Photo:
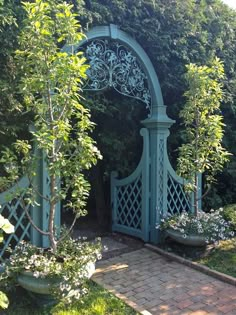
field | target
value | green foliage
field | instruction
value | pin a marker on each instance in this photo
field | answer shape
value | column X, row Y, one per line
column 68, row 268
column 117, row 131
column 51, row 86
column 3, row 301
column 98, row 301
column 203, row 152
column 12, row 120
column 223, row 259
column 6, row 227
column 229, row 213
column 211, row 226
column 173, row 34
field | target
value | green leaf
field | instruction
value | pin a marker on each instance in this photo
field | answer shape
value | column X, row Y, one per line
column 3, row 300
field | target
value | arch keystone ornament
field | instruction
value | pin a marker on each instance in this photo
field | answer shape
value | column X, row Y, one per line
column 140, row 200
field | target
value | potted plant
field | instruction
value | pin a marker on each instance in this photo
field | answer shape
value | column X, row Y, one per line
column 201, row 154
column 205, row 228
column 51, row 86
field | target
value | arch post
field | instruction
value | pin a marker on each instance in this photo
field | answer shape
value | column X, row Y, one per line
column 158, row 125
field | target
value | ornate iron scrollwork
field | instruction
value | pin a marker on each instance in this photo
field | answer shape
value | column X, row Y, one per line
column 113, row 65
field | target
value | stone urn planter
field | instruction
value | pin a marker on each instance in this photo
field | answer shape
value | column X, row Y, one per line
column 190, row 240
column 40, row 288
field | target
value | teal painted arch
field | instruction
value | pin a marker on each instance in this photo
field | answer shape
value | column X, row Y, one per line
column 114, row 33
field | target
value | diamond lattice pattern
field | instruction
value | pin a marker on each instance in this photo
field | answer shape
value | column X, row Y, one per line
column 129, row 205
column 15, row 213
column 177, row 199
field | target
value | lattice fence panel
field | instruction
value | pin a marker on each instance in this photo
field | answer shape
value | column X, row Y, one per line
column 15, row 213
column 129, row 204
column 177, row 199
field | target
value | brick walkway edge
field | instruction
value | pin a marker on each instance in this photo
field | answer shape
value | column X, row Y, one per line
column 154, row 285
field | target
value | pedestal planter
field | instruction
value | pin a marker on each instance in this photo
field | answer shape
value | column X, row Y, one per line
column 40, row 288
column 190, row 240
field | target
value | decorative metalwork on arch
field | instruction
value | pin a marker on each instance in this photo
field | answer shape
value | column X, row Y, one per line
column 129, row 69
column 113, row 65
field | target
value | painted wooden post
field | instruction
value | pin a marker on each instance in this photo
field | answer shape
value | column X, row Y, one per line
column 45, row 204
column 40, row 212
column 145, row 185
column 36, row 210
column 158, row 125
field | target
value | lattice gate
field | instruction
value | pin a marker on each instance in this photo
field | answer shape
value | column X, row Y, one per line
column 130, row 198
column 136, row 210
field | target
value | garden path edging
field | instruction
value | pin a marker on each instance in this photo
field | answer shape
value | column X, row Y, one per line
column 216, row 274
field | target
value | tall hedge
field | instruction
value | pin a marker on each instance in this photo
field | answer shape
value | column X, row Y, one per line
column 173, row 33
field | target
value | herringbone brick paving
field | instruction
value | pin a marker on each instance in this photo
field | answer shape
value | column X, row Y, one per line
column 153, row 284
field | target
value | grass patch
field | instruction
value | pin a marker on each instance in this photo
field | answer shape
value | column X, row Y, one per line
column 223, row 258
column 97, row 302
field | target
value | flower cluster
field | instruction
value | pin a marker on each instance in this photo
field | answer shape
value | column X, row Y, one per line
column 69, row 267
column 210, row 225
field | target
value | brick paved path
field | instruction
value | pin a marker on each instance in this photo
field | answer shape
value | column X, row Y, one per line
column 152, row 284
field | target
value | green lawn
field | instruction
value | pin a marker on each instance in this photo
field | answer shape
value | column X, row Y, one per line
column 223, row 258
column 97, row 302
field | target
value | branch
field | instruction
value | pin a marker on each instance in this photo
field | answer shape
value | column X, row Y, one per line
column 206, row 193
column 38, row 192
column 70, row 229
column 31, row 220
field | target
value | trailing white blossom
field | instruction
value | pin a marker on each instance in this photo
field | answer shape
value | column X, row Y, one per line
column 70, row 265
column 211, row 225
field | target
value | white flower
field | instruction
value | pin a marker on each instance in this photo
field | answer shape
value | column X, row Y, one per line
column 36, row 274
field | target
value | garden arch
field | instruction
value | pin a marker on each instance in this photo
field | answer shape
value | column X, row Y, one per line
column 153, row 189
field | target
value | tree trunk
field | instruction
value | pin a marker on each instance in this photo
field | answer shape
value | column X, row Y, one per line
column 52, row 210
column 196, row 194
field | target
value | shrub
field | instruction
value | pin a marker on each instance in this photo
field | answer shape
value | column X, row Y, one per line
column 229, row 214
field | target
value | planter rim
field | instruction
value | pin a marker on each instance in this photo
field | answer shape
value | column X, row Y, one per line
column 192, row 240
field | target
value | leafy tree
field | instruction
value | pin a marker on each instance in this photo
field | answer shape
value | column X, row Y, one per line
column 51, row 87
column 203, row 151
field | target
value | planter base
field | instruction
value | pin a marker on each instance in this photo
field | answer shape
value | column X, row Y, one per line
column 43, row 300
column 40, row 288
column 190, row 240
